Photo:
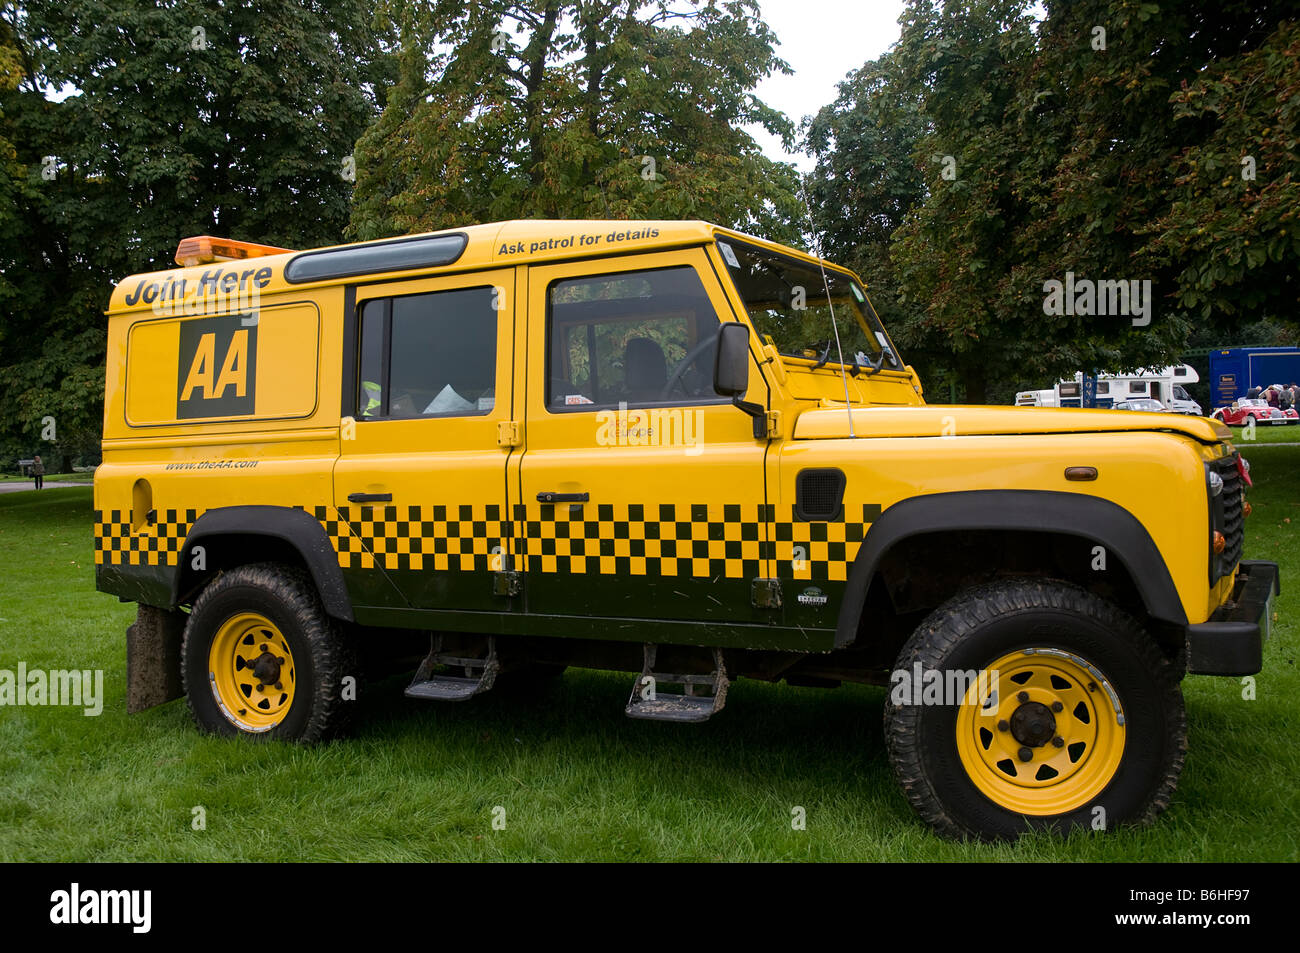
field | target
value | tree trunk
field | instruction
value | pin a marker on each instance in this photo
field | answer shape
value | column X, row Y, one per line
column 541, row 46
column 975, row 383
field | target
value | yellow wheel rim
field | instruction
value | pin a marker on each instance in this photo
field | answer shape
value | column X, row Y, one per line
column 1042, row 733
column 251, row 672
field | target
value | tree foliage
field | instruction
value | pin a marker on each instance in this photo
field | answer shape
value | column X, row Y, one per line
column 1104, row 139
column 576, row 109
column 1230, row 233
column 126, row 125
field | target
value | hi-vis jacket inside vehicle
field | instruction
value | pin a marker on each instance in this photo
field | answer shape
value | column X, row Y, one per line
column 664, row 448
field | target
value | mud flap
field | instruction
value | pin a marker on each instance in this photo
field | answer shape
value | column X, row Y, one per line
column 153, row 658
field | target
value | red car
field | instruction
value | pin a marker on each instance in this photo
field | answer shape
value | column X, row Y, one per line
column 1235, row 416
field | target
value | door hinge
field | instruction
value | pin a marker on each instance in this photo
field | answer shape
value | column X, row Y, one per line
column 507, row 582
column 765, row 593
column 510, row 433
column 774, row 423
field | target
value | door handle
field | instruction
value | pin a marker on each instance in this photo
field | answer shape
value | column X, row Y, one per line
column 547, row 496
column 370, row 497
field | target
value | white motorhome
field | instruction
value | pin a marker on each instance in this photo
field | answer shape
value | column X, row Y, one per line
column 1164, row 384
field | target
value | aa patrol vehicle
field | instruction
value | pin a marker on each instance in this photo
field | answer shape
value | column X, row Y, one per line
column 666, row 448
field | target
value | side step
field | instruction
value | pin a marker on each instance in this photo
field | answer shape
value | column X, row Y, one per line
column 466, row 677
column 702, row 696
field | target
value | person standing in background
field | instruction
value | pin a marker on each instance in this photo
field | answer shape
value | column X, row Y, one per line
column 38, row 472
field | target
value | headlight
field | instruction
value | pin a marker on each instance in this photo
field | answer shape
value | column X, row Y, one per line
column 1216, row 484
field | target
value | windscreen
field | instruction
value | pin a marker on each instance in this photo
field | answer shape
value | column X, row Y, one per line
column 786, row 300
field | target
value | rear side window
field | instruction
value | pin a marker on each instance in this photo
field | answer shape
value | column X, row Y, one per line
column 640, row 337
column 428, row 355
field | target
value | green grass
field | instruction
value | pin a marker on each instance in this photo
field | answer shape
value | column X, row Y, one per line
column 576, row 778
column 1268, row 433
column 53, row 478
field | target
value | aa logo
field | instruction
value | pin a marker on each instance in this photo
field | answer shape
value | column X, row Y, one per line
column 218, row 367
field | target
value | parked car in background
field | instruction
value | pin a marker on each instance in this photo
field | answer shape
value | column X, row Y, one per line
column 1164, row 384
column 1037, row 398
column 1181, row 402
column 1237, row 414
column 1144, row 404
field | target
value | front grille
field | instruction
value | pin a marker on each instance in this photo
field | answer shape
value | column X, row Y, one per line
column 1228, row 518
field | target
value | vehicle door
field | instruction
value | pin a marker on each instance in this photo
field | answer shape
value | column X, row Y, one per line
column 420, row 482
column 640, row 491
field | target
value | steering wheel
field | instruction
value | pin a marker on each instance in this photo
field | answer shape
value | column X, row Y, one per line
column 693, row 355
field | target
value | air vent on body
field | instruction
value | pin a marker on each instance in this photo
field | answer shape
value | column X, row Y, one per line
column 819, row 494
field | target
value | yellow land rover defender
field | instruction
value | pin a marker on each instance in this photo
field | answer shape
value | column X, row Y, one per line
column 666, row 448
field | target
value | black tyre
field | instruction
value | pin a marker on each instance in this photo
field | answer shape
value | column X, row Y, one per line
column 1054, row 710
column 261, row 658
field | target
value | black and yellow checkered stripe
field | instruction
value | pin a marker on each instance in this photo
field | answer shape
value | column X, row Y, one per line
column 118, row 543
column 820, row 551
column 699, row 540
column 441, row 538
column 724, row 540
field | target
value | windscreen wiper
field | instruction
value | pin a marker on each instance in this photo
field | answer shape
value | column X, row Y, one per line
column 825, row 354
column 873, row 367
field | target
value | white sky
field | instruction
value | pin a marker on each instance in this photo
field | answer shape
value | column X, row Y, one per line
column 822, row 40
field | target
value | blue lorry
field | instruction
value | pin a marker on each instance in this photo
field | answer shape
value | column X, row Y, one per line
column 1235, row 370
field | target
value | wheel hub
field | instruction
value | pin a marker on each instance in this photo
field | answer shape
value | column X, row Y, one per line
column 1042, row 739
column 251, row 672
column 267, row 668
column 1033, row 725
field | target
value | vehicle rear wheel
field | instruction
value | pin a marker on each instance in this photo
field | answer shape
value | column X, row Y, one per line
column 1049, row 708
column 261, row 657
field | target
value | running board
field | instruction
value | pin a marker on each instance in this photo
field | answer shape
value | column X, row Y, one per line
column 702, row 696
column 465, row 676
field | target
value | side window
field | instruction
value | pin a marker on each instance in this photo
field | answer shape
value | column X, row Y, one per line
column 639, row 337
column 428, row 355
column 1137, row 387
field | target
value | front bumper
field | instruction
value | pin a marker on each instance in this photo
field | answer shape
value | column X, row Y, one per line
column 1232, row 641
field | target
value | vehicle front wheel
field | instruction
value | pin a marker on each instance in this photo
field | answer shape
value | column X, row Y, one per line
column 262, row 658
column 1034, row 704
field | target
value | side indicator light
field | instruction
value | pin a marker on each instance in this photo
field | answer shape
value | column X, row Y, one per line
column 1081, row 473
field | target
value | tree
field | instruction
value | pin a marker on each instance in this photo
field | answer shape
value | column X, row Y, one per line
column 134, row 124
column 576, row 109
column 864, row 185
column 1229, row 234
column 1101, row 142
column 963, row 62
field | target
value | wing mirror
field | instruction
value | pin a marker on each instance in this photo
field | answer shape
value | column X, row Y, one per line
column 731, row 364
column 731, row 373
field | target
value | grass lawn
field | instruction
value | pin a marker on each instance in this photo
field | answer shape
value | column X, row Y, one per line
column 52, row 478
column 577, row 780
column 1269, row 433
